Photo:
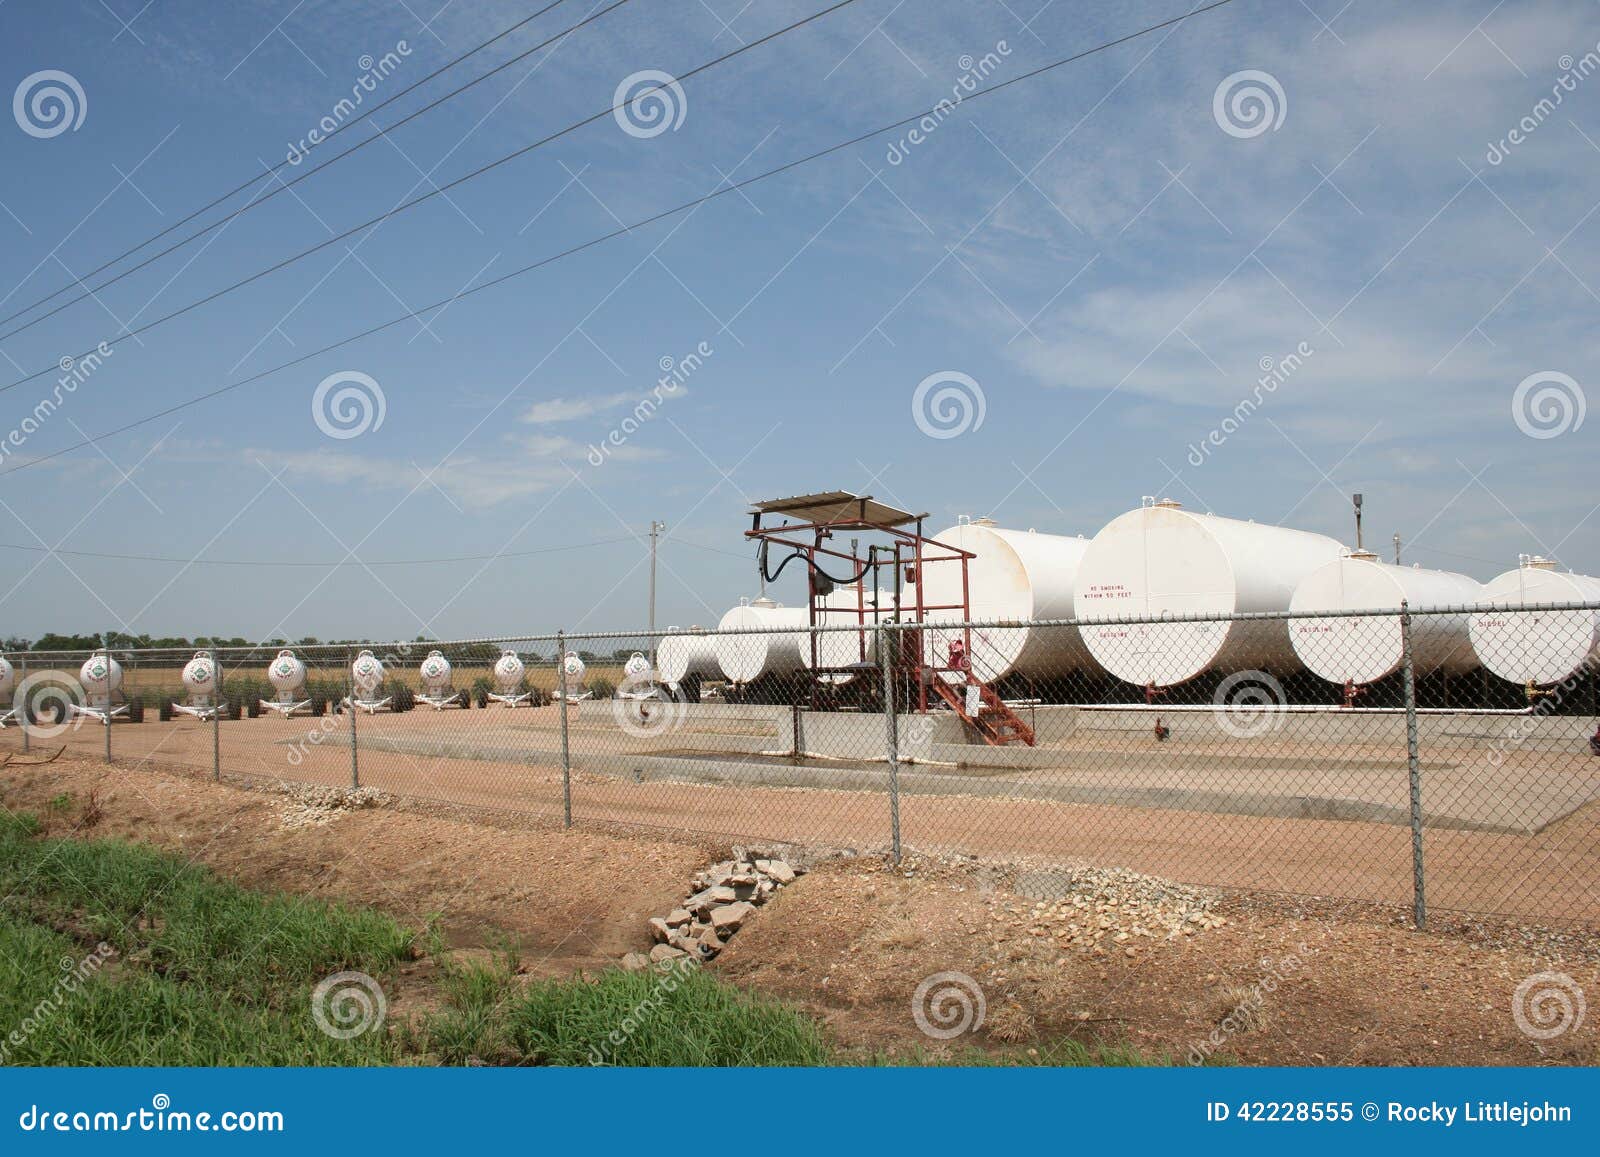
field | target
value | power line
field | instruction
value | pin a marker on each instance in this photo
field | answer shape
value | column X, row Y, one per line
column 331, row 564
column 687, row 205
column 285, row 186
column 272, row 171
column 438, row 190
column 328, row 565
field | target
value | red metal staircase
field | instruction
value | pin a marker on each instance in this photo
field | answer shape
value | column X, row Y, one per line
column 998, row 724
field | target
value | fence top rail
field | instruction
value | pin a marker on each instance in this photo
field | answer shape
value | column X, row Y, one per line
column 575, row 641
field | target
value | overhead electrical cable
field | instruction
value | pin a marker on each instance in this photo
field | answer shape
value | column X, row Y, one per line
column 687, row 205
column 327, row 565
column 436, row 191
column 269, row 173
column 34, row 548
column 285, row 186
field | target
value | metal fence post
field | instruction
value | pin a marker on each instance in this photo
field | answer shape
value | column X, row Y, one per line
column 1414, row 767
column 350, row 709
column 566, row 754
column 109, row 695
column 891, row 739
column 22, row 708
column 216, row 716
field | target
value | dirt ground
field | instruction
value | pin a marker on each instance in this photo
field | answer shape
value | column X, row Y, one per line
column 1258, row 981
column 1546, row 876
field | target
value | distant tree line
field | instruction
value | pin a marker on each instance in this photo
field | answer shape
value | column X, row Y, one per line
column 120, row 640
column 471, row 654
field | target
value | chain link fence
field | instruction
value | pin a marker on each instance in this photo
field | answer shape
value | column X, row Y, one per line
column 1441, row 758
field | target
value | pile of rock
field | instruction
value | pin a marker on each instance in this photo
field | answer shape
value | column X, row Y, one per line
column 722, row 899
column 1106, row 910
column 312, row 805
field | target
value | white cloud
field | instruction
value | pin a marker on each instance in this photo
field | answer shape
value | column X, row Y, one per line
column 571, row 409
column 470, row 479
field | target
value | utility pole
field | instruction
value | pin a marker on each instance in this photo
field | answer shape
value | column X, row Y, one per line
column 1397, row 550
column 1356, row 500
column 655, row 531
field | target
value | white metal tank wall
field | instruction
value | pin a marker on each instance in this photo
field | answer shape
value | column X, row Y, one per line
column 843, row 607
column 1017, row 575
column 1537, row 646
column 1164, row 560
column 745, row 658
column 1364, row 650
column 680, row 655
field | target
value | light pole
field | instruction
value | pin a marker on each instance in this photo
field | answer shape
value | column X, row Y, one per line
column 655, row 531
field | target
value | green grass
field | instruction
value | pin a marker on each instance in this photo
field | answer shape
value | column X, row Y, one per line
column 127, row 1016
column 680, row 1017
column 684, row 1017
column 184, row 922
column 204, row 972
column 200, row 971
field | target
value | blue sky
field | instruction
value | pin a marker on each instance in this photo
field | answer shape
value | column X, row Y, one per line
column 1092, row 249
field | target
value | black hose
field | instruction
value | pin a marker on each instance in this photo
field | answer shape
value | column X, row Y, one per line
column 761, row 566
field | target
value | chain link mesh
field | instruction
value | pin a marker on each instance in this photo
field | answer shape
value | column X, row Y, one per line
column 1262, row 752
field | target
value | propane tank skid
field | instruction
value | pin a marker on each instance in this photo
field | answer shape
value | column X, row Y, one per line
column 201, row 683
column 366, row 676
column 8, row 682
column 101, row 680
column 573, row 668
column 437, row 690
column 287, row 674
column 508, row 672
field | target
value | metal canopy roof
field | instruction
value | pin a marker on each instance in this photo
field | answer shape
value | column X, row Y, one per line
column 837, row 506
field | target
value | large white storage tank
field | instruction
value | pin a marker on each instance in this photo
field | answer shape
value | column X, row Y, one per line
column 744, row 658
column 684, row 654
column 1537, row 647
column 1162, row 560
column 848, row 606
column 1361, row 650
column 1018, row 575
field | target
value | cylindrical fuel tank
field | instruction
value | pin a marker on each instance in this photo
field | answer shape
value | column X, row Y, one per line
column 1539, row 647
column 1361, row 650
column 1162, row 560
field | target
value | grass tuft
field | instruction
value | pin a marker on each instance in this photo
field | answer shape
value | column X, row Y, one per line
column 678, row 1017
